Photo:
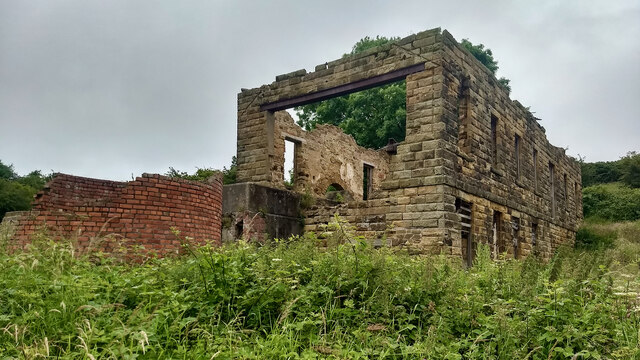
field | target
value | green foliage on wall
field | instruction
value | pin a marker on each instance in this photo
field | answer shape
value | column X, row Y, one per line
column 485, row 56
column 229, row 175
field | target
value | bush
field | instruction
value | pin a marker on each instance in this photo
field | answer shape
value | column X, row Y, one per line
column 589, row 238
column 15, row 196
column 293, row 300
column 626, row 170
column 16, row 192
column 602, row 172
column 612, row 202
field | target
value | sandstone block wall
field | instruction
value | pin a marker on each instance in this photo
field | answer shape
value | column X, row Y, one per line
column 466, row 143
column 101, row 214
column 256, row 152
column 505, row 169
column 325, row 156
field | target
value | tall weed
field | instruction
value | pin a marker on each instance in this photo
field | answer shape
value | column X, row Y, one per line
column 296, row 299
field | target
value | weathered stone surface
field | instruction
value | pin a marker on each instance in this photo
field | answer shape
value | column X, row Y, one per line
column 466, row 143
column 324, row 156
column 259, row 212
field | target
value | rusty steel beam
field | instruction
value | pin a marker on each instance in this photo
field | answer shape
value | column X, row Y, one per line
column 343, row 89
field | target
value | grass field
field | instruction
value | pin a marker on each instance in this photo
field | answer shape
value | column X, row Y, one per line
column 292, row 300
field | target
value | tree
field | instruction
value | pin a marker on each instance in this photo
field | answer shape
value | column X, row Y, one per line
column 601, row 172
column 371, row 116
column 230, row 175
column 16, row 192
column 6, row 172
column 625, row 170
column 630, row 169
column 375, row 115
column 15, row 196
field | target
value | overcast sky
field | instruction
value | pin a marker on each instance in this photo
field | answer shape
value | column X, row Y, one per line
column 112, row 88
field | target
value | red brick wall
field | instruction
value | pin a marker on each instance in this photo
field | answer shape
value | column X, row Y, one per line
column 101, row 214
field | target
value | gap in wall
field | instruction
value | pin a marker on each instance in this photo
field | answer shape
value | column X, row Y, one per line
column 289, row 162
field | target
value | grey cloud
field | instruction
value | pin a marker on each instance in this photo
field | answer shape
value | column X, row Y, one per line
column 106, row 89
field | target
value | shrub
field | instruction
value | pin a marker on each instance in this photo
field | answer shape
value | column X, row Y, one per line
column 589, row 238
column 291, row 299
column 612, row 202
column 15, row 196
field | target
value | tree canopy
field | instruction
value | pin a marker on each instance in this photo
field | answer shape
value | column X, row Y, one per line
column 626, row 170
column 16, row 192
column 375, row 115
column 371, row 116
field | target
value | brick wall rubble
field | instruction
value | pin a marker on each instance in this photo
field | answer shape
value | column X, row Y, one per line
column 101, row 214
column 451, row 155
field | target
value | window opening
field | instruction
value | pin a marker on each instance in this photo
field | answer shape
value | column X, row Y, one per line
column 576, row 197
column 335, row 192
column 517, row 151
column 515, row 231
column 464, row 138
column 494, row 139
column 534, row 238
column 469, row 247
column 239, row 229
column 552, row 181
column 371, row 116
column 535, row 169
column 367, row 181
column 497, row 245
column 566, row 193
column 290, row 160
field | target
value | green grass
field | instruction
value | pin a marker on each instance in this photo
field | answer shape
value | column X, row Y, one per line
column 293, row 300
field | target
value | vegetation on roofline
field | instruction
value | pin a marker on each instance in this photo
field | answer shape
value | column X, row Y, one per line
column 229, row 175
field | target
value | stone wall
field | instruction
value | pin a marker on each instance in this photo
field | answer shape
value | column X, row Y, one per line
column 255, row 212
column 101, row 214
column 325, row 156
column 508, row 172
column 460, row 148
column 255, row 147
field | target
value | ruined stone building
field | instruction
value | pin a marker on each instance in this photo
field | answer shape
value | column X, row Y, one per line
column 475, row 166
